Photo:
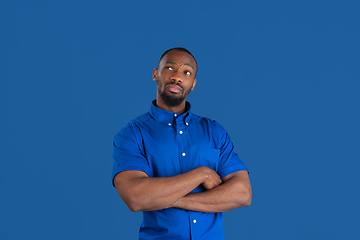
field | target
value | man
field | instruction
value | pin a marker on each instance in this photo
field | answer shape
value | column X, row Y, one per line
column 178, row 168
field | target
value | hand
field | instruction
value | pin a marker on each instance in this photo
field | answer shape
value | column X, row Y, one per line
column 212, row 178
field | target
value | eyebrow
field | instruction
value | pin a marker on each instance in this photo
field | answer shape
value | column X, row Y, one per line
column 174, row 63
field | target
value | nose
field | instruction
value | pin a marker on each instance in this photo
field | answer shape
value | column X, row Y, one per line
column 176, row 77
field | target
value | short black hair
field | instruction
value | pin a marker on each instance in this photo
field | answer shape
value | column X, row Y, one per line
column 181, row 49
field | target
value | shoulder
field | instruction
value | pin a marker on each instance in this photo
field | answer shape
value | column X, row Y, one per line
column 206, row 121
column 132, row 129
column 210, row 124
column 136, row 122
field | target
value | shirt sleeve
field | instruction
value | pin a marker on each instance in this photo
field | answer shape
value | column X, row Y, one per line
column 229, row 160
column 127, row 153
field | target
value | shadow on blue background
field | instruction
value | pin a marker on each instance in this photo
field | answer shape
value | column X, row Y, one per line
column 281, row 77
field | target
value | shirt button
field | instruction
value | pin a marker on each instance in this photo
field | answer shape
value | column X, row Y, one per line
column 194, row 221
column 187, row 123
column 175, row 115
column 183, row 154
column 181, row 132
column 169, row 124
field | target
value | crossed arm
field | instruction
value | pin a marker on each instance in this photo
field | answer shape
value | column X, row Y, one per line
column 142, row 193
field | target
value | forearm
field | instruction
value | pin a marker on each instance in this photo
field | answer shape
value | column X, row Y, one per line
column 234, row 193
column 147, row 194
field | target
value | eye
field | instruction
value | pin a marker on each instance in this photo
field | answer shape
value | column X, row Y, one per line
column 168, row 68
column 187, row 73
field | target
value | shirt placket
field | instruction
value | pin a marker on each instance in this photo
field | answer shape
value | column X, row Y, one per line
column 181, row 140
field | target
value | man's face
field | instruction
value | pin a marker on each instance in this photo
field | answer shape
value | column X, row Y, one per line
column 175, row 77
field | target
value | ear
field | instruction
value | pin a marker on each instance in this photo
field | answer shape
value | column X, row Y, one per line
column 193, row 85
column 154, row 75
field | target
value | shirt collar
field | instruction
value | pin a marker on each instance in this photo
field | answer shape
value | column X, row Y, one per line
column 168, row 117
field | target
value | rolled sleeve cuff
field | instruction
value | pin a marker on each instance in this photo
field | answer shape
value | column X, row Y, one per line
column 129, row 167
column 227, row 171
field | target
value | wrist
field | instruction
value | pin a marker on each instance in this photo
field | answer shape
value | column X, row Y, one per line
column 177, row 204
column 204, row 173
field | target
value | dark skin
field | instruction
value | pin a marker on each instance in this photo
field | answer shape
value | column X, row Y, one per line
column 176, row 77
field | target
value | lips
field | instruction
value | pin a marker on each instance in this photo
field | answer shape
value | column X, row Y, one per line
column 174, row 88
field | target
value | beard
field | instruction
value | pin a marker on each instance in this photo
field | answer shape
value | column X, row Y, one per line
column 172, row 100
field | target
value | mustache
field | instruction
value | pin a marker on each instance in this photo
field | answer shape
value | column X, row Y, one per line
column 175, row 84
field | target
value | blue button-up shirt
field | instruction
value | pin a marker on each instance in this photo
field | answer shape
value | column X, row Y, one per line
column 164, row 144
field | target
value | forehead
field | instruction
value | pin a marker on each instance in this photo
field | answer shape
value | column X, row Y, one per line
column 178, row 57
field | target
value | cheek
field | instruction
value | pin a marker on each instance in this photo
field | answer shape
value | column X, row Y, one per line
column 191, row 85
column 160, row 86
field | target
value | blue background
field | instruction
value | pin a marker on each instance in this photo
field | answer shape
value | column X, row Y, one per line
column 281, row 76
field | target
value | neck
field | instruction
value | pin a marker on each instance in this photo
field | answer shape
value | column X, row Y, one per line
column 178, row 109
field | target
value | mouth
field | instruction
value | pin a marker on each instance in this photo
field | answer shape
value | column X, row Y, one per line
column 174, row 88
